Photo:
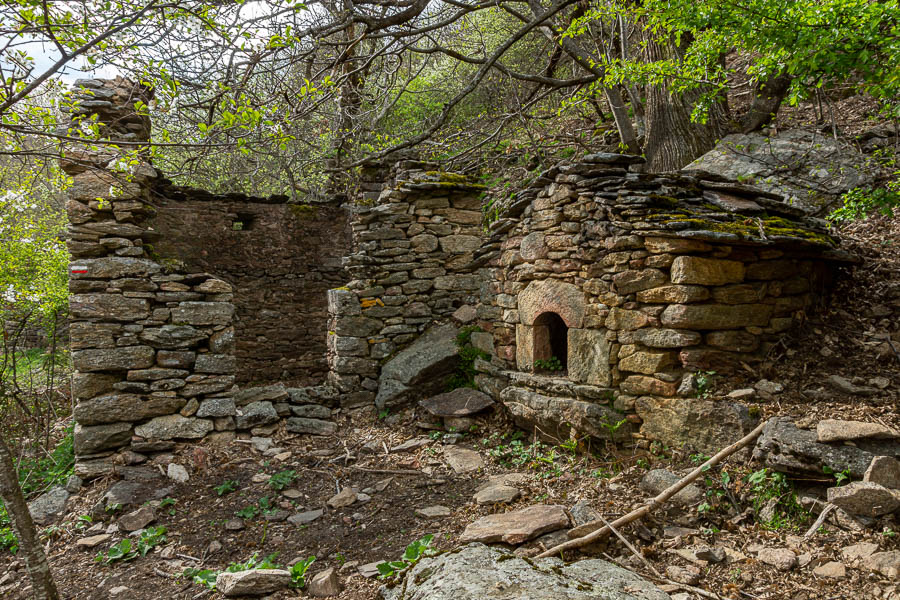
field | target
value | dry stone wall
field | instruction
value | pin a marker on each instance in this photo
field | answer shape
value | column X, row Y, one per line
column 281, row 258
column 652, row 278
column 415, row 232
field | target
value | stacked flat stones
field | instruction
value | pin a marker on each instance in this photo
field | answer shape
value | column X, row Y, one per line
column 152, row 346
column 412, row 250
column 678, row 273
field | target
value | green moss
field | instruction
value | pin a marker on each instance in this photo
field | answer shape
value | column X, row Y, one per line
column 302, row 211
column 745, row 227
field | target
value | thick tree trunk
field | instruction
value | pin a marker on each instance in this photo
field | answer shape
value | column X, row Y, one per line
column 673, row 140
column 43, row 587
column 767, row 98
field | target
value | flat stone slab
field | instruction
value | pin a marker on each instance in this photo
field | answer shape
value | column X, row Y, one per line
column 305, row 517
column 461, row 402
column 884, row 470
column 463, row 460
column 433, row 512
column 255, row 582
column 497, row 494
column 517, row 526
column 833, row 430
column 864, row 498
column 478, row 572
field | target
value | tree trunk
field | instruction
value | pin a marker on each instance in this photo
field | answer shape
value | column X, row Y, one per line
column 30, row 548
column 767, row 98
column 673, row 140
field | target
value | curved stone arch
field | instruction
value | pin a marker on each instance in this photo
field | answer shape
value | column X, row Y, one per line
column 550, row 295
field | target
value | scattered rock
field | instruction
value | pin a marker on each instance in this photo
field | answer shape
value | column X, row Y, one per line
column 710, row 554
column 582, row 512
column 433, row 512
column 256, row 414
column 49, row 506
column 832, row 430
column 477, row 571
column 858, row 552
column 764, row 386
column 261, row 444
column 369, row 570
column 119, row 590
column 255, row 582
column 310, row 426
column 325, row 583
column 344, row 498
column 658, row 480
column 885, row 563
column 743, row 394
column 177, row 473
column 93, row 541
column 305, row 517
column 831, row 569
column 689, row 575
column 517, row 526
column 863, row 498
column 497, row 494
column 844, row 386
column 412, row 444
column 780, row 558
column 884, row 470
column 463, row 460
column 137, row 519
column 234, row 524
column 419, row 369
column 461, row 402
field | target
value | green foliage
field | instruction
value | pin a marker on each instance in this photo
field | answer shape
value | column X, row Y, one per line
column 413, row 553
column 298, row 572
column 766, row 486
column 464, row 377
column 226, row 487
column 207, row 577
column 703, row 382
column 840, row 477
column 859, row 203
column 124, row 550
column 248, row 512
column 550, row 364
column 281, row 480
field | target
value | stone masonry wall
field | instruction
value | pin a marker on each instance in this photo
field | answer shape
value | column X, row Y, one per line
column 655, row 276
column 414, row 239
column 280, row 257
column 151, row 345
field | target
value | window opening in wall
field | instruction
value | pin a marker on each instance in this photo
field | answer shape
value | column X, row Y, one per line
column 243, row 222
column 551, row 343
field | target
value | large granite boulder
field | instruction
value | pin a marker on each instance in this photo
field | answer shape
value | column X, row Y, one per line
column 807, row 167
column 476, row 572
column 421, row 369
column 785, row 447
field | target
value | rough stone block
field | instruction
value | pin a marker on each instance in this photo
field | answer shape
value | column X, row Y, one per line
column 631, row 281
column 114, row 359
column 716, row 316
column 203, row 313
column 114, row 408
column 677, row 294
column 113, row 307
column 89, row 440
column 588, row 357
column 706, row 271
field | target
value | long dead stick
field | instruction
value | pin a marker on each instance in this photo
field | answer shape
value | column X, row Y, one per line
column 644, row 510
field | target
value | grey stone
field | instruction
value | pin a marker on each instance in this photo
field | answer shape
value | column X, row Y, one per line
column 864, row 498
column 344, row 498
column 112, row 307
column 177, row 473
column 49, row 506
column 215, row 363
column 831, row 569
column 311, row 426
column 497, row 494
column 557, row 415
column 255, row 414
column 172, row 427
column 782, row 559
column 114, row 408
column 171, row 336
column 114, row 359
column 304, row 518
column 91, row 439
column 582, row 512
column 217, row 407
column 419, row 369
column 254, row 582
column 311, row 411
column 222, row 342
column 785, row 447
column 137, row 519
column 433, row 512
column 846, row 387
column 115, row 267
column 667, row 338
column 272, row 393
column 588, row 350
column 343, row 302
column 884, row 470
column 460, row 402
column 703, row 425
column 463, row 460
column 518, row 526
column 323, row 584
column 88, row 385
column 203, row 313
column 833, row 430
column 478, row 572
column 884, row 563
column 658, row 480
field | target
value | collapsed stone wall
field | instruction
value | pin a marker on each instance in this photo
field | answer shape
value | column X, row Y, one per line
column 651, row 278
column 415, row 232
column 280, row 257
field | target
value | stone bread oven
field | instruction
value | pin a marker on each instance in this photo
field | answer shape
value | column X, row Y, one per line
column 636, row 282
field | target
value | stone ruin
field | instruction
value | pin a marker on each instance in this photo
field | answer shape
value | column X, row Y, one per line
column 196, row 314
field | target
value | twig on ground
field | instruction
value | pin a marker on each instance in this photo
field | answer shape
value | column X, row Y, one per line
column 390, row 471
column 656, row 502
column 815, row 526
